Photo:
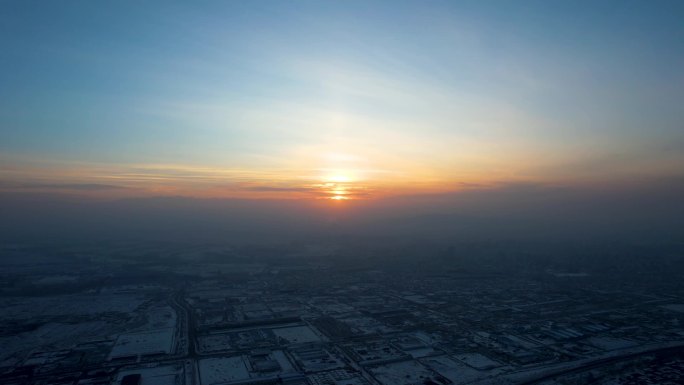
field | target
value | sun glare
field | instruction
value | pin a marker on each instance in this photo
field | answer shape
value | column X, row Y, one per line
column 338, row 178
column 337, row 186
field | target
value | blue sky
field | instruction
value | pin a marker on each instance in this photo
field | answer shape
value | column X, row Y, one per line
column 370, row 96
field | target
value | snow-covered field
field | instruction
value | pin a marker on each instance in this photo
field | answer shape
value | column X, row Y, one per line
column 222, row 370
column 151, row 342
column 610, row 343
column 297, row 334
column 51, row 336
column 477, row 361
column 403, row 373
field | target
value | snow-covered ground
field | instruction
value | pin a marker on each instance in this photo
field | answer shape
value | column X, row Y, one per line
column 610, row 343
column 223, row 370
column 477, row 361
column 51, row 336
column 151, row 342
column 296, row 334
column 403, row 373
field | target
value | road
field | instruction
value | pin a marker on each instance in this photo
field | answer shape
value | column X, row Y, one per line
column 603, row 362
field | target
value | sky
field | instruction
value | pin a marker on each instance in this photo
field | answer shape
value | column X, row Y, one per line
column 341, row 101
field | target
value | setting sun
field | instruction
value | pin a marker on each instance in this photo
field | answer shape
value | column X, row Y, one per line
column 339, row 186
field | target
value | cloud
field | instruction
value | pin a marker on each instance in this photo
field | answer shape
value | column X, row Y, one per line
column 280, row 189
column 73, row 186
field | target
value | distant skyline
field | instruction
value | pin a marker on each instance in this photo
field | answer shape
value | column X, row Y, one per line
column 337, row 100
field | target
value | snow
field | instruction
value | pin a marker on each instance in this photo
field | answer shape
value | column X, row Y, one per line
column 477, row 361
column 52, row 335
column 162, row 375
column 402, row 373
column 160, row 317
column 609, row 343
column 452, row 369
column 315, row 358
column 214, row 342
column 297, row 334
column 240, row 368
column 422, row 352
column 152, row 342
column 675, row 307
column 222, row 370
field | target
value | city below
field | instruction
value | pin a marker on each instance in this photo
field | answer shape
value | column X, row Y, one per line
column 326, row 314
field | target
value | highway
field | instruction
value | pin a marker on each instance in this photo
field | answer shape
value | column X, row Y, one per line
column 603, row 362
